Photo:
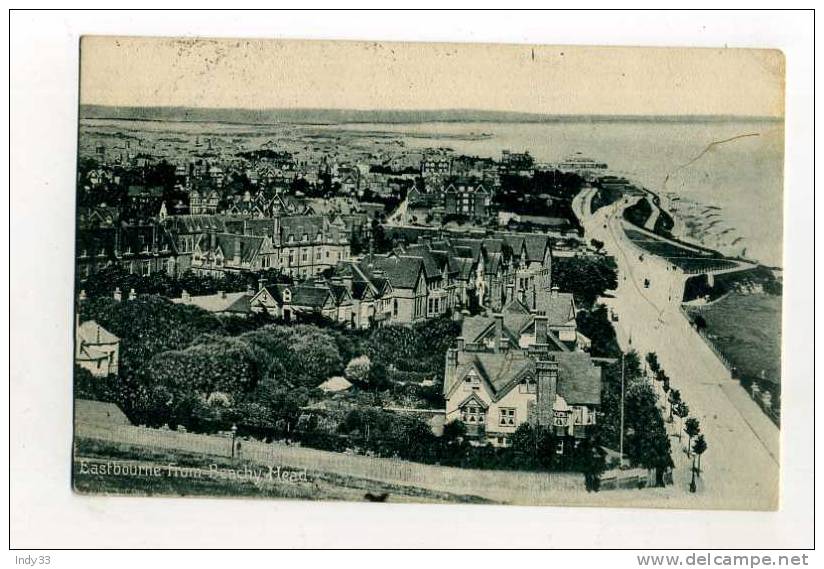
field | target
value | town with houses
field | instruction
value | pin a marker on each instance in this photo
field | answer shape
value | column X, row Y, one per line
column 347, row 293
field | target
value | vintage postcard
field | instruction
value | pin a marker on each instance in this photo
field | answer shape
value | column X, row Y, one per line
column 442, row 273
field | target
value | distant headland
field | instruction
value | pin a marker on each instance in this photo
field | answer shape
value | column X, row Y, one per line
column 338, row 116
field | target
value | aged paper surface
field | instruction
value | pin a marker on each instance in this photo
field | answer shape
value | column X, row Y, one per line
column 399, row 272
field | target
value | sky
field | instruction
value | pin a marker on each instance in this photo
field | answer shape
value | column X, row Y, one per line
column 258, row 74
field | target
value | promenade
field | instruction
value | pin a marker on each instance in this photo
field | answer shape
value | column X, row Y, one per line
column 740, row 469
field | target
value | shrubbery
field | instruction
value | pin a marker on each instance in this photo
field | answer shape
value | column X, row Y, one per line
column 586, row 277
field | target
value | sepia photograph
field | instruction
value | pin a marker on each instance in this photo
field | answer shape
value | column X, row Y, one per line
column 305, row 283
column 411, row 279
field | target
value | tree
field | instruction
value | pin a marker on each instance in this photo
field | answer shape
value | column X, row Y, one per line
column 692, row 428
column 595, row 325
column 586, row 278
column 674, row 398
column 699, row 447
column 681, row 410
column 646, row 443
column 652, row 362
column 358, row 370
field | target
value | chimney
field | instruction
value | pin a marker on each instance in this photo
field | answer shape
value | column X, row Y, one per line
column 554, row 291
column 118, row 296
column 82, row 296
column 250, row 290
column 276, row 230
column 547, row 377
column 347, row 281
column 510, row 293
column 221, row 293
column 184, row 296
column 461, row 344
column 261, row 284
column 451, row 367
column 541, row 329
column 499, row 330
column 132, row 294
column 238, row 246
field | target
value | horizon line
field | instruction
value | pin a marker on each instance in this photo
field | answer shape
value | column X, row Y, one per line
column 533, row 114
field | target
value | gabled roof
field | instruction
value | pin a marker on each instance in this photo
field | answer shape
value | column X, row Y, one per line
column 517, row 317
column 194, row 223
column 497, row 370
column 536, row 246
column 401, row 272
column 579, row 381
column 90, row 332
column 430, row 264
column 228, row 243
column 559, row 307
column 310, row 296
column 340, row 293
column 474, row 398
column 464, row 268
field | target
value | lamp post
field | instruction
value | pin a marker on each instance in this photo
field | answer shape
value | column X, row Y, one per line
column 234, row 436
column 621, row 432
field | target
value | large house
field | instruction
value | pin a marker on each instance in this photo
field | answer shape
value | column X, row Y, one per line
column 469, row 198
column 494, row 386
column 141, row 248
column 332, row 301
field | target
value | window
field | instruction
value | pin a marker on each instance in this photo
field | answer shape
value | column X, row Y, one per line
column 473, row 381
column 473, row 414
column 559, row 447
column 146, row 269
column 507, row 417
column 528, row 385
column 560, row 419
column 395, row 307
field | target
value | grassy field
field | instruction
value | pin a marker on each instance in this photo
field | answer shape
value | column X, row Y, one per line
column 682, row 257
column 747, row 329
column 155, row 472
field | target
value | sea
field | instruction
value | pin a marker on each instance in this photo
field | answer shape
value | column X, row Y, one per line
column 726, row 175
column 733, row 166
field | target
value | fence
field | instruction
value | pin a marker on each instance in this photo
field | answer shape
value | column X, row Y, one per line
column 721, row 357
column 767, row 409
column 500, row 486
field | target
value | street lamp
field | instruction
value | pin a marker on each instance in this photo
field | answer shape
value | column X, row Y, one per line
column 234, row 436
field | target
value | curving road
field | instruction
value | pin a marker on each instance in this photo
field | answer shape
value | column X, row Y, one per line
column 741, row 465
